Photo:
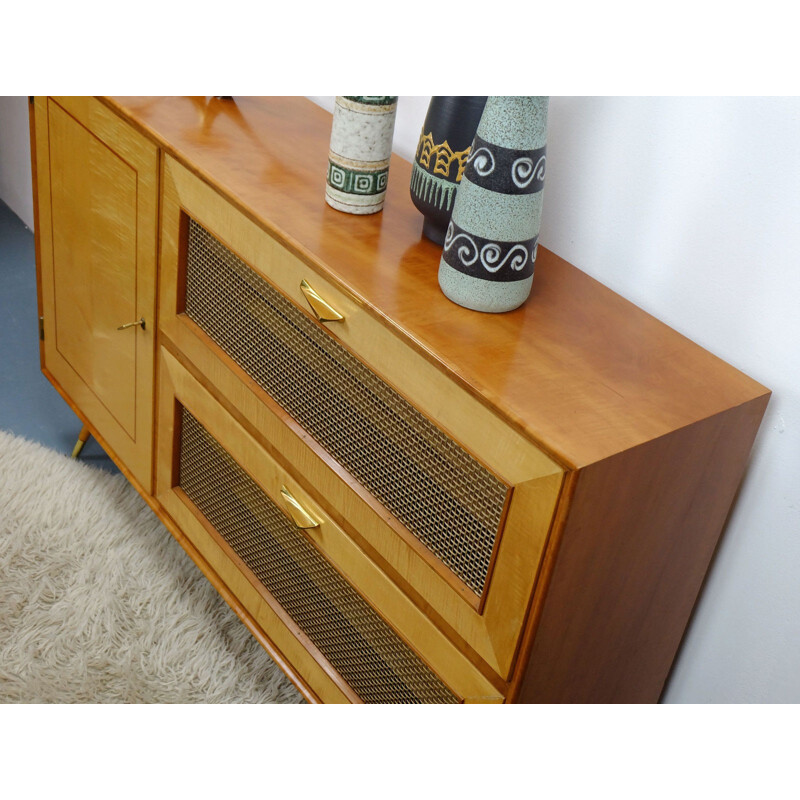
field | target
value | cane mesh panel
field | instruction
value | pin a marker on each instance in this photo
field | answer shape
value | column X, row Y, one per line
column 443, row 496
column 358, row 643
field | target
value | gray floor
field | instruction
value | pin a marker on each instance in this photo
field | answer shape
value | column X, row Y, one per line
column 29, row 405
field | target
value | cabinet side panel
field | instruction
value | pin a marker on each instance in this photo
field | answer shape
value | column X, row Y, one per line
column 35, row 113
column 632, row 558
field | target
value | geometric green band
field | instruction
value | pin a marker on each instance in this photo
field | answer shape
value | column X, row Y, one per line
column 352, row 181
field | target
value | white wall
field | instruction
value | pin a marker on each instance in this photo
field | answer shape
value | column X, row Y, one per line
column 689, row 207
column 15, row 158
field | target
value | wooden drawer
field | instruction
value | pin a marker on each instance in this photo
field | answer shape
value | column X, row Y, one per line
column 235, row 504
column 456, row 511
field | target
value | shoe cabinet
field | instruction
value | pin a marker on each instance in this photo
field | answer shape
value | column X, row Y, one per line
column 405, row 501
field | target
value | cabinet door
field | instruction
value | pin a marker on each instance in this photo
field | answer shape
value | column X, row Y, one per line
column 96, row 188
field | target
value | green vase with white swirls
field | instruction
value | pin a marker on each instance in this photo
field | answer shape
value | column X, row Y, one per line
column 489, row 251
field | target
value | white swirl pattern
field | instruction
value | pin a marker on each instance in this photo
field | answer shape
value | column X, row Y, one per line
column 523, row 171
column 490, row 253
column 482, row 161
column 468, row 256
column 516, row 257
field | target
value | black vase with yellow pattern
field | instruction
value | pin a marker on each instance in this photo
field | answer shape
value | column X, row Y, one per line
column 442, row 152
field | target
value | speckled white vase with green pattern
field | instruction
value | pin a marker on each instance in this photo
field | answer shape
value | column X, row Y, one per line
column 361, row 145
column 490, row 247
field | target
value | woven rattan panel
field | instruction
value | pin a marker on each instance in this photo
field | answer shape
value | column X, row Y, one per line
column 349, row 633
column 440, row 493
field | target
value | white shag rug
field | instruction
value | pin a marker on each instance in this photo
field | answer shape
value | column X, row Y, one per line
column 99, row 604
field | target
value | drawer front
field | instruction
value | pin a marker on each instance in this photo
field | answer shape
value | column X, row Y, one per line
column 250, row 518
column 445, row 498
column 457, row 510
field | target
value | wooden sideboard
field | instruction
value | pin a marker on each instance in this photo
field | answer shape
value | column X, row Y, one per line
column 404, row 501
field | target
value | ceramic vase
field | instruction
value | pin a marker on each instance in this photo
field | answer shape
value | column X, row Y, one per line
column 358, row 160
column 490, row 246
column 441, row 156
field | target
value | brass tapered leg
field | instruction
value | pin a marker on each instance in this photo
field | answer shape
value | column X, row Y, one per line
column 82, row 437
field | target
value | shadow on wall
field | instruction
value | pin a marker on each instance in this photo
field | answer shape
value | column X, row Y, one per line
column 15, row 158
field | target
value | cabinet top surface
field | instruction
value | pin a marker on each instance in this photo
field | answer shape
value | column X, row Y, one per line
column 578, row 368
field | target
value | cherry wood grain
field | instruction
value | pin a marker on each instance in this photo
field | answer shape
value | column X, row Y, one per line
column 579, row 369
column 626, row 569
column 651, row 431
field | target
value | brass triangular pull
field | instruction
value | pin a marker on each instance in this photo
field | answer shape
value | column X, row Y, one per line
column 300, row 516
column 323, row 311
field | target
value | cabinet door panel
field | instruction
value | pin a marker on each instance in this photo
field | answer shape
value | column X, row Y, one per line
column 488, row 625
column 97, row 185
column 93, row 196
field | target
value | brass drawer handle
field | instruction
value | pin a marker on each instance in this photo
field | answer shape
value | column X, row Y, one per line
column 132, row 324
column 300, row 516
column 323, row 311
